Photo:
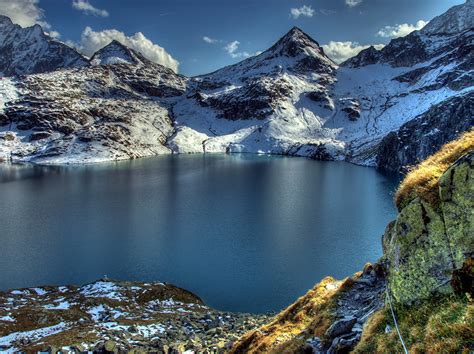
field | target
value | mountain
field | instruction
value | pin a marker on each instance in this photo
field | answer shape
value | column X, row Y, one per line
column 388, row 108
column 116, row 53
column 29, row 50
column 414, row 75
column 89, row 114
column 268, row 103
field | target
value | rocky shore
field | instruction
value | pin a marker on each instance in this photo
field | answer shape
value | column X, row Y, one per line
column 117, row 316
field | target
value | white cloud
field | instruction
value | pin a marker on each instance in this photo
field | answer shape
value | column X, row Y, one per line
column 26, row 13
column 92, row 41
column 232, row 48
column 87, row 8
column 341, row 51
column 209, row 40
column 54, row 34
column 353, row 3
column 306, row 11
column 400, row 30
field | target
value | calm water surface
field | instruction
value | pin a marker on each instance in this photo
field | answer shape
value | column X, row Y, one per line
column 244, row 232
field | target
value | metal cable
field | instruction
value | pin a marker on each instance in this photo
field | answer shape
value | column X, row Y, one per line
column 395, row 320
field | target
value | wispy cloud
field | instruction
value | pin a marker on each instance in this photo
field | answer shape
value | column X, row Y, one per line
column 232, row 48
column 341, row 51
column 91, row 41
column 353, row 3
column 86, row 7
column 25, row 13
column 327, row 12
column 306, row 11
column 400, row 30
column 210, row 40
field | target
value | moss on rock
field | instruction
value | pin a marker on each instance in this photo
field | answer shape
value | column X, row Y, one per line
column 457, row 204
column 427, row 243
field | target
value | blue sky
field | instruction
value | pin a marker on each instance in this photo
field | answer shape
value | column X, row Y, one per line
column 179, row 26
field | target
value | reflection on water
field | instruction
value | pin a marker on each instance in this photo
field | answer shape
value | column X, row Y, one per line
column 245, row 232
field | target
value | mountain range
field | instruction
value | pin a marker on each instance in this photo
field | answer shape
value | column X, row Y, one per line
column 388, row 108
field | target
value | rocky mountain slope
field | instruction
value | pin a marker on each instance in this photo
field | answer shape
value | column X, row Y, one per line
column 268, row 103
column 92, row 114
column 427, row 70
column 291, row 99
column 29, row 50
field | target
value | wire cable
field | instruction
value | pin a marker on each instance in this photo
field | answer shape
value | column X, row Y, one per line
column 395, row 320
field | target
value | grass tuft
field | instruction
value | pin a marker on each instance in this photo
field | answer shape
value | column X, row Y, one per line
column 422, row 180
column 440, row 325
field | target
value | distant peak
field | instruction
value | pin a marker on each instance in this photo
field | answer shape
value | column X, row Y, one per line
column 295, row 29
column 4, row 20
column 116, row 53
column 457, row 19
column 296, row 33
column 116, row 43
column 295, row 42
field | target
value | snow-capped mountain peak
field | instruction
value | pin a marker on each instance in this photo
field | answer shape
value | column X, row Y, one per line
column 116, row 53
column 457, row 19
column 296, row 42
column 29, row 50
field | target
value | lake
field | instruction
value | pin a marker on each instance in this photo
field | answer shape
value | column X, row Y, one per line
column 244, row 232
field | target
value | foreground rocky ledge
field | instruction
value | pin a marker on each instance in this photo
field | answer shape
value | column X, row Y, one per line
column 116, row 316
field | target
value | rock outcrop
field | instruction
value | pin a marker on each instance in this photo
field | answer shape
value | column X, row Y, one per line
column 329, row 318
column 427, row 243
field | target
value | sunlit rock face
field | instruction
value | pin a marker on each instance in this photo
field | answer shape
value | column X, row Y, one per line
column 428, row 244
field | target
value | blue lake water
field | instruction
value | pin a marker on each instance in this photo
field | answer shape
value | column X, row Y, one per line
column 244, row 232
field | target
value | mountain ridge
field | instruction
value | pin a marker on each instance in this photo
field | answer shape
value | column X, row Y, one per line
column 290, row 99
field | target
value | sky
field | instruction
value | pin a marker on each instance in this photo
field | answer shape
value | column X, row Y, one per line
column 199, row 36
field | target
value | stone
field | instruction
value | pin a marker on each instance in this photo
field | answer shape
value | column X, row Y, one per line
column 341, row 326
column 428, row 243
column 110, row 346
column 457, row 196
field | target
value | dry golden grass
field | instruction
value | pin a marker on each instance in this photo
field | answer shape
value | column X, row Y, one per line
column 309, row 316
column 442, row 325
column 422, row 181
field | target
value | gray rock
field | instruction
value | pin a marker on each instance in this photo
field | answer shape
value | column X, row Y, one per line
column 341, row 326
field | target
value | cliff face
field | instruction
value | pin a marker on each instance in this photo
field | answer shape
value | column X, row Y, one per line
column 428, row 243
column 424, row 135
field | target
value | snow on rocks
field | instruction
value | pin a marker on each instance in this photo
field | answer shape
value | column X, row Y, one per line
column 102, row 289
column 122, row 315
column 7, row 342
column 291, row 99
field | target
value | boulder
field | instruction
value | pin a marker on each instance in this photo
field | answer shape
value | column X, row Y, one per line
column 341, row 326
